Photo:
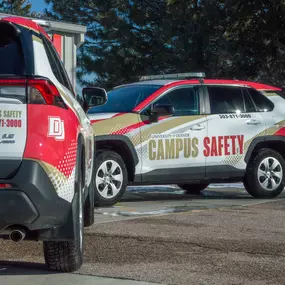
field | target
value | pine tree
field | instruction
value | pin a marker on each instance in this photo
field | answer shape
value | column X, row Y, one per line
column 241, row 39
column 16, row 7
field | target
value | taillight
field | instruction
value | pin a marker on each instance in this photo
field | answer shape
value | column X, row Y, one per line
column 31, row 91
column 4, row 186
column 43, row 91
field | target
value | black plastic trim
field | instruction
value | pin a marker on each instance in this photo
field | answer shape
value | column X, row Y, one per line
column 120, row 138
column 173, row 175
column 191, row 174
column 8, row 167
column 31, row 180
column 224, row 172
column 16, row 208
column 261, row 139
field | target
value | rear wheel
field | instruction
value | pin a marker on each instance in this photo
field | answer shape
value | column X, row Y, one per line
column 111, row 178
column 67, row 256
column 265, row 174
column 193, row 188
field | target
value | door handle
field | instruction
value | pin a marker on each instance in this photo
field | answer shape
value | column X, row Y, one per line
column 197, row 128
column 253, row 122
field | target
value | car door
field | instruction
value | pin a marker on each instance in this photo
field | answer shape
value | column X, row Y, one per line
column 171, row 147
column 232, row 124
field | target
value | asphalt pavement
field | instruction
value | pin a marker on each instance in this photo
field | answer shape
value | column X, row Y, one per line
column 162, row 235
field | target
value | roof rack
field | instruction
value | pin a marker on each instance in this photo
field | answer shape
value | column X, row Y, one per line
column 177, row 76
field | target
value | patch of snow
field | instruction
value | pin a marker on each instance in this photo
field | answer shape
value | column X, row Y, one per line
column 229, row 185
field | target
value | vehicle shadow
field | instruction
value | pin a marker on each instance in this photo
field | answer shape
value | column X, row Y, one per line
column 12, row 268
column 175, row 194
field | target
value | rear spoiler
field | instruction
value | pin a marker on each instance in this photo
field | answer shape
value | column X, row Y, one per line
column 43, row 23
column 33, row 24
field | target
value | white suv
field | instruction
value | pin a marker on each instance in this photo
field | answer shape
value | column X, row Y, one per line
column 187, row 130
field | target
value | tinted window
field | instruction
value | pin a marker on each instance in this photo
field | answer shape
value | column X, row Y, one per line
column 224, row 99
column 56, row 65
column 249, row 105
column 185, row 101
column 125, row 99
column 262, row 103
column 11, row 55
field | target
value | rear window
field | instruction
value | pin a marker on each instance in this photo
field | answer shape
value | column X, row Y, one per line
column 124, row 99
column 262, row 103
column 11, row 54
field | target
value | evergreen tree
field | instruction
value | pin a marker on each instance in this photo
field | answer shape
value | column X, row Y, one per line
column 241, row 39
column 16, row 7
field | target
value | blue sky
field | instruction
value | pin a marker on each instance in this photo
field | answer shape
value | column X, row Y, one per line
column 38, row 5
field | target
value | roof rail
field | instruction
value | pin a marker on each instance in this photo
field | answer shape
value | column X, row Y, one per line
column 177, row 76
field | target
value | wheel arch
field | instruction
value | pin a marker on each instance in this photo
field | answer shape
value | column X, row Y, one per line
column 124, row 147
column 276, row 143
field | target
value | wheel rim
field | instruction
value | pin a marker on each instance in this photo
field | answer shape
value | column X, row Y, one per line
column 270, row 174
column 109, row 179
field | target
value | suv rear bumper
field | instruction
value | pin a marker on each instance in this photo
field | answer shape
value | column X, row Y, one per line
column 32, row 201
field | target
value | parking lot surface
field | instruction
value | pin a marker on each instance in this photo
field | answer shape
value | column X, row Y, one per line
column 162, row 235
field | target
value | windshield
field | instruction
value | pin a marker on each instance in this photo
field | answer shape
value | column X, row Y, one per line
column 124, row 99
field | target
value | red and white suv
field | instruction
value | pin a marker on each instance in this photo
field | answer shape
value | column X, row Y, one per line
column 188, row 130
column 46, row 147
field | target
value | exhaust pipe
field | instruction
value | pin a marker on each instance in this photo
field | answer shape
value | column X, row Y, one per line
column 17, row 235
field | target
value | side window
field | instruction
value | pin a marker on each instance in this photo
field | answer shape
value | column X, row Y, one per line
column 184, row 100
column 249, row 105
column 227, row 99
column 262, row 103
column 56, row 65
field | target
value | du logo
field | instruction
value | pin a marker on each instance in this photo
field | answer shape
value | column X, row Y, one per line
column 56, row 128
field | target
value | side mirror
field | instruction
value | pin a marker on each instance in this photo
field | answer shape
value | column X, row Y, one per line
column 94, row 96
column 161, row 110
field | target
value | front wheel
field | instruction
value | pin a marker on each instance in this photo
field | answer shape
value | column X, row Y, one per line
column 265, row 174
column 193, row 188
column 111, row 178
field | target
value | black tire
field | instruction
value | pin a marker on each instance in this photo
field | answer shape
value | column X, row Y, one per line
column 252, row 181
column 89, row 206
column 193, row 188
column 105, row 156
column 67, row 256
